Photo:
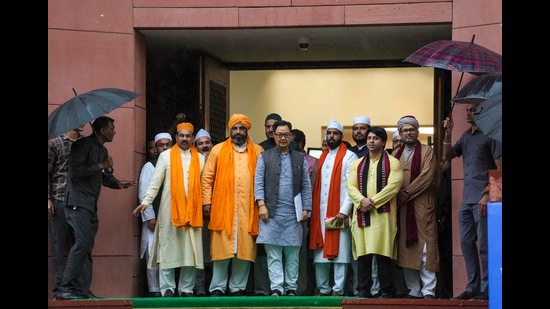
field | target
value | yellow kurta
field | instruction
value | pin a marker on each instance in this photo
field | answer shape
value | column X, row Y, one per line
column 240, row 242
column 379, row 237
column 423, row 191
column 173, row 246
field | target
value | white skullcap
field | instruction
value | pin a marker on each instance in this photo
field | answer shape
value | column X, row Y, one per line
column 407, row 120
column 333, row 124
column 162, row 135
column 395, row 134
column 361, row 119
column 201, row 133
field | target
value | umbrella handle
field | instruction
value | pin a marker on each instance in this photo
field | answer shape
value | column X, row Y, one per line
column 457, row 89
column 459, row 82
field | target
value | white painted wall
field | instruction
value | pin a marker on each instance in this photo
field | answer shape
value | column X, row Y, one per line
column 311, row 98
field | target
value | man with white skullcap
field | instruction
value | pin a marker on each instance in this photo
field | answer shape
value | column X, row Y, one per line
column 359, row 129
column 203, row 142
column 162, row 141
column 330, row 199
column 417, row 246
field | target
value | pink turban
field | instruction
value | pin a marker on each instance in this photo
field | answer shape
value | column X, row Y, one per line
column 236, row 118
column 185, row 126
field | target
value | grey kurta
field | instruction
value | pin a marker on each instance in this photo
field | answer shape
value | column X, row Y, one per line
column 173, row 246
column 282, row 229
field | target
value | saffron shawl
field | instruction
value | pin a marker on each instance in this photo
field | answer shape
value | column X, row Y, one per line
column 410, row 219
column 186, row 210
column 332, row 236
column 222, row 214
column 383, row 172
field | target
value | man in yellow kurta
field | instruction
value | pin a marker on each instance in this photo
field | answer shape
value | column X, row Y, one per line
column 177, row 240
column 228, row 198
column 418, row 251
column 373, row 183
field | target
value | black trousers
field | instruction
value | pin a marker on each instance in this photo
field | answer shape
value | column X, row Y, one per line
column 77, row 276
column 364, row 273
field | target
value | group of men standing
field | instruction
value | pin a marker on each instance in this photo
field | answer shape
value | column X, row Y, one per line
column 244, row 197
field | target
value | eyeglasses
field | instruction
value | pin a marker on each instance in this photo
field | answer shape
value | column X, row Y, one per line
column 163, row 145
column 408, row 131
column 281, row 135
column 397, row 141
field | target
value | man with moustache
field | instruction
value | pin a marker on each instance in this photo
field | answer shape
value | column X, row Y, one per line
column 203, row 143
column 330, row 199
column 177, row 239
column 228, row 198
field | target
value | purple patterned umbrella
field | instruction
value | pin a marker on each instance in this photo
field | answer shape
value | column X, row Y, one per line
column 457, row 56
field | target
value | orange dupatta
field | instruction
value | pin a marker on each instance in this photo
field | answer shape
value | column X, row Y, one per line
column 332, row 236
column 221, row 213
column 186, row 210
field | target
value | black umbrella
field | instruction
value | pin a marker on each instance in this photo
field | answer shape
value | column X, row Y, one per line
column 86, row 107
column 489, row 117
column 480, row 88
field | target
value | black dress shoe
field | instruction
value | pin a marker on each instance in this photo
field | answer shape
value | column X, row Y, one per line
column 239, row 293
column 465, row 295
column 481, row 296
column 217, row 293
column 408, row 296
column 155, row 294
column 67, row 296
column 429, row 296
column 186, row 294
column 386, row 295
column 363, row 294
column 168, row 293
column 90, row 295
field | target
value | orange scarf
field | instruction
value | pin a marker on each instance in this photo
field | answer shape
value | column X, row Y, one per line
column 221, row 213
column 185, row 210
column 332, row 236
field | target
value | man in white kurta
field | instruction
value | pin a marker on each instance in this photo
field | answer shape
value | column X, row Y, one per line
column 325, row 167
column 173, row 246
column 162, row 141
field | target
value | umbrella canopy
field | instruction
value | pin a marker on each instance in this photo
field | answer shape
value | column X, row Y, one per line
column 480, row 88
column 457, row 56
column 489, row 117
column 85, row 107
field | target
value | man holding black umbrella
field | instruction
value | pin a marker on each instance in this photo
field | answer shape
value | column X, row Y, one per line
column 90, row 167
column 479, row 155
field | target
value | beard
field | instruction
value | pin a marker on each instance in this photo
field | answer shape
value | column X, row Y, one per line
column 238, row 139
column 360, row 140
column 332, row 143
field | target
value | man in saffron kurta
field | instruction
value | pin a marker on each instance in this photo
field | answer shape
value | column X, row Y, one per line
column 228, row 198
column 373, row 183
column 178, row 235
column 417, row 250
